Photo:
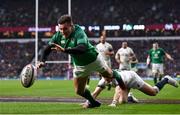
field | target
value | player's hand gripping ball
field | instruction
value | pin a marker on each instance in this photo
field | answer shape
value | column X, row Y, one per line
column 28, row 75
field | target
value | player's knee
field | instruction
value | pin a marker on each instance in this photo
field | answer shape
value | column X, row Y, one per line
column 153, row 93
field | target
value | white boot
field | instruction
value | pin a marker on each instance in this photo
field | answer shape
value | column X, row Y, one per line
column 131, row 98
column 113, row 104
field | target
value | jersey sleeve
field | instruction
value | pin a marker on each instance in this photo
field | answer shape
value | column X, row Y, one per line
column 131, row 51
column 110, row 48
column 116, row 55
column 97, row 46
column 163, row 51
column 54, row 38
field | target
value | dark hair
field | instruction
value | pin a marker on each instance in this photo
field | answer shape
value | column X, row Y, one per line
column 65, row 19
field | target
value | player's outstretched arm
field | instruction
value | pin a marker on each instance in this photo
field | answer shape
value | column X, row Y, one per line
column 57, row 47
column 148, row 60
column 117, row 58
column 79, row 49
column 169, row 57
column 44, row 56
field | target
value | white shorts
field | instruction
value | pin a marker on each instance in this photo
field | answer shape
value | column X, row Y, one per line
column 131, row 79
column 158, row 68
column 108, row 62
column 99, row 65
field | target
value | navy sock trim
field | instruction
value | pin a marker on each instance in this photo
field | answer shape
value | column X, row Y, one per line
column 161, row 84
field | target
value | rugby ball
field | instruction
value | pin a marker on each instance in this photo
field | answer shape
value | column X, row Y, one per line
column 28, row 75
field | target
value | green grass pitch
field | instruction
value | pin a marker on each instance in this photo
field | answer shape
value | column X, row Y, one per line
column 64, row 88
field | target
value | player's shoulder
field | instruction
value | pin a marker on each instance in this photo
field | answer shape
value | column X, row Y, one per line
column 79, row 32
column 120, row 50
column 108, row 44
column 99, row 44
column 78, row 28
column 151, row 50
column 129, row 48
column 161, row 49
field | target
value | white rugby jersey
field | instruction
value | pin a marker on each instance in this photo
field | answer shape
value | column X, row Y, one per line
column 124, row 54
column 102, row 48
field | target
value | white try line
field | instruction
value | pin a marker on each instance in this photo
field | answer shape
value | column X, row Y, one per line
column 56, row 62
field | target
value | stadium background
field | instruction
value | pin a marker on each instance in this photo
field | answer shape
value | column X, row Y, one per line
column 138, row 22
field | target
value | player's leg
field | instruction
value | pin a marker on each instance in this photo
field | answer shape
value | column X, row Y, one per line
column 161, row 71
column 101, row 85
column 132, row 98
column 87, row 84
column 149, row 90
column 115, row 97
column 135, row 81
column 107, row 72
column 79, row 84
column 120, row 96
column 99, row 88
column 98, row 65
column 160, row 76
column 109, row 85
column 123, row 98
column 154, row 73
column 81, row 74
column 152, row 91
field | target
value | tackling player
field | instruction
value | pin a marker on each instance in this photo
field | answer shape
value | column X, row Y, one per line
column 125, row 57
column 132, row 80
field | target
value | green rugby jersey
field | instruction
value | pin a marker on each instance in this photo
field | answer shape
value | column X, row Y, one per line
column 156, row 56
column 78, row 36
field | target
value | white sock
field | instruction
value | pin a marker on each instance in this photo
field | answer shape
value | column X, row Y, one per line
column 156, row 88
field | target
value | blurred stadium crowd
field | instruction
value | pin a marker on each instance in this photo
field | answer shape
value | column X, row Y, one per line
column 18, row 15
column 91, row 12
column 15, row 55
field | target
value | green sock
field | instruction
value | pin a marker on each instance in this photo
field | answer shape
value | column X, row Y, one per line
column 88, row 96
column 160, row 77
column 155, row 80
